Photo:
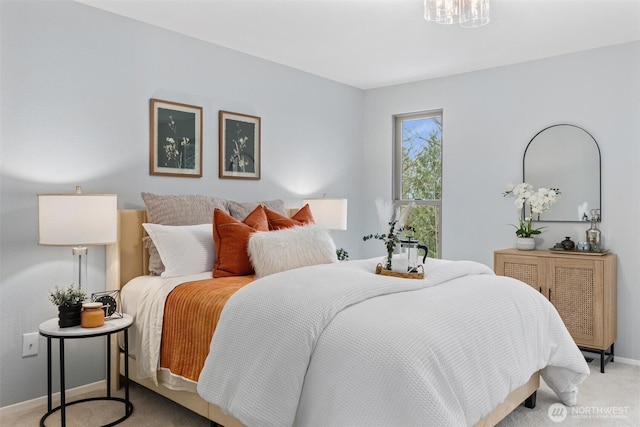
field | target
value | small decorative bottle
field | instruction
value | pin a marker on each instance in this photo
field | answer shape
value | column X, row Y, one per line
column 593, row 236
column 568, row 244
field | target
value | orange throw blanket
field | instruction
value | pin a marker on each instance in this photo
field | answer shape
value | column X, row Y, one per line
column 191, row 313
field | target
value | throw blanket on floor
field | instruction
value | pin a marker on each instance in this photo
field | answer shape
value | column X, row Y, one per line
column 191, row 313
column 378, row 350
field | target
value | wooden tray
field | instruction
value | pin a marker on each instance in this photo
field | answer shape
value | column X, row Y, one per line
column 576, row 252
column 385, row 272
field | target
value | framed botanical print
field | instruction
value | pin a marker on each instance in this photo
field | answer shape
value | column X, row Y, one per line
column 176, row 139
column 239, row 146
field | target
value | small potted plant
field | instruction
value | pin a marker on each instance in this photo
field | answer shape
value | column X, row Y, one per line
column 69, row 301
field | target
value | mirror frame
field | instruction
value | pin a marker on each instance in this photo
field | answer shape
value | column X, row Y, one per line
column 524, row 171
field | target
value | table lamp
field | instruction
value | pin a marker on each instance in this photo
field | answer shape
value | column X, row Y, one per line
column 77, row 220
column 329, row 213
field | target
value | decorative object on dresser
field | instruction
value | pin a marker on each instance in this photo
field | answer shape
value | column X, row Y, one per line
column 594, row 236
column 538, row 201
column 583, row 247
column 581, row 285
column 525, row 243
column 176, row 139
column 568, row 244
column 239, row 145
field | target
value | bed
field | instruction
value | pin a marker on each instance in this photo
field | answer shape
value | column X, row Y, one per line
column 128, row 260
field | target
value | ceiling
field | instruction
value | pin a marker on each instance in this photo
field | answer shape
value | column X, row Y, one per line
column 376, row 43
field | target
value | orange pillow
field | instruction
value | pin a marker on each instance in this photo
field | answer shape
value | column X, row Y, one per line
column 278, row 221
column 231, row 238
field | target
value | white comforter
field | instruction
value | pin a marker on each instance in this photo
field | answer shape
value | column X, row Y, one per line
column 339, row 345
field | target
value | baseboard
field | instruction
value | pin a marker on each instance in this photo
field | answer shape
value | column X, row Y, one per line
column 40, row 401
column 626, row 361
column 595, row 354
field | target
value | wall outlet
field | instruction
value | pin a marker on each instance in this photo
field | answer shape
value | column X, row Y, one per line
column 30, row 344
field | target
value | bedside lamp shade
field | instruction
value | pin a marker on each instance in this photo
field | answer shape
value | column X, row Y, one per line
column 77, row 219
column 329, row 213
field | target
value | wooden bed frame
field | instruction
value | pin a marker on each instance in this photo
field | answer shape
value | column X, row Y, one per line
column 128, row 258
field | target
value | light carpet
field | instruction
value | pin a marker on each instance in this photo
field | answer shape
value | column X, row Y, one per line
column 610, row 399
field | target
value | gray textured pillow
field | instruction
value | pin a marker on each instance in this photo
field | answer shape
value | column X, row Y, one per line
column 156, row 267
column 241, row 210
column 178, row 210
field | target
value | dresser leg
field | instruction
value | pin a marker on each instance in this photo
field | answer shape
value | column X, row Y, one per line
column 612, row 352
column 606, row 357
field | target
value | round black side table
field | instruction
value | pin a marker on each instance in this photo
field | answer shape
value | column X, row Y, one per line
column 51, row 330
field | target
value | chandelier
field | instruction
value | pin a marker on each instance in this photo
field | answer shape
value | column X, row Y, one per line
column 467, row 13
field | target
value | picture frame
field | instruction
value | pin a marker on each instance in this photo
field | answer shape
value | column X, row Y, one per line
column 240, row 145
column 175, row 139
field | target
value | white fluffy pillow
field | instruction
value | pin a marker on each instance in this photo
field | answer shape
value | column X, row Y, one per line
column 184, row 249
column 275, row 251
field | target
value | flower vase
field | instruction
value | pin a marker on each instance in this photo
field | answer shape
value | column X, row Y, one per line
column 525, row 243
column 69, row 315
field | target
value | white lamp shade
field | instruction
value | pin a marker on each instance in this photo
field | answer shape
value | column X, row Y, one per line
column 77, row 219
column 329, row 213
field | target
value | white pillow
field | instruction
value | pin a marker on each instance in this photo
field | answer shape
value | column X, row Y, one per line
column 280, row 250
column 184, row 249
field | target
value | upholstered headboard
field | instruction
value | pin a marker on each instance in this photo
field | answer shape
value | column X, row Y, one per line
column 128, row 257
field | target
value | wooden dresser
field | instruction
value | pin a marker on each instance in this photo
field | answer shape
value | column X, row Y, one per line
column 582, row 287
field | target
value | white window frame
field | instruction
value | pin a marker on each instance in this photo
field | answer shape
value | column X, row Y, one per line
column 397, row 166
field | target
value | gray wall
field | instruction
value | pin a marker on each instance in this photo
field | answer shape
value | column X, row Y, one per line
column 76, row 84
column 489, row 118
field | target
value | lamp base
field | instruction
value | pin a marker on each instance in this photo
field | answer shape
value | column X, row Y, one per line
column 80, row 265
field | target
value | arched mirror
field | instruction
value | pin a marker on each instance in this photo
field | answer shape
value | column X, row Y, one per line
column 566, row 157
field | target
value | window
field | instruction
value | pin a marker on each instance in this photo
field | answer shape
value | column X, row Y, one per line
column 418, row 174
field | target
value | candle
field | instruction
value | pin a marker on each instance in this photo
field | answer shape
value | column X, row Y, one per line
column 92, row 315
